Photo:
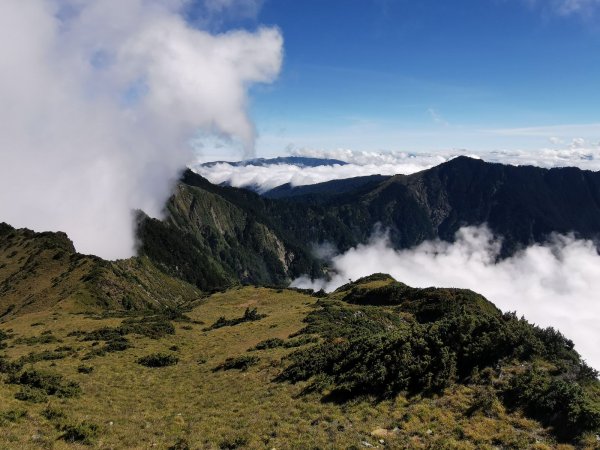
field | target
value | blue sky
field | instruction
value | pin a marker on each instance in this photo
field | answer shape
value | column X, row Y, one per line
column 428, row 75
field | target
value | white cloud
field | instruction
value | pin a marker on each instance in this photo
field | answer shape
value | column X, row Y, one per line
column 437, row 117
column 551, row 285
column 362, row 163
column 99, row 103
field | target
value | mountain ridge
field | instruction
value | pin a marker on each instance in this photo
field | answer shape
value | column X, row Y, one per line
column 521, row 205
column 43, row 270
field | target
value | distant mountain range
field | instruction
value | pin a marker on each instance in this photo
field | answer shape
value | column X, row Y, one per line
column 300, row 161
column 218, row 235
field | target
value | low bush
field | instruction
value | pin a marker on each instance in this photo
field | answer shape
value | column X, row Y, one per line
column 181, row 444
column 250, row 315
column 85, row 369
column 280, row 343
column 10, row 367
column 557, row 403
column 269, row 343
column 84, row 433
column 158, row 360
column 403, row 340
column 242, row 363
column 154, row 327
column 46, row 355
column 53, row 414
column 44, row 338
column 32, row 395
column 50, row 383
column 233, row 443
column 12, row 415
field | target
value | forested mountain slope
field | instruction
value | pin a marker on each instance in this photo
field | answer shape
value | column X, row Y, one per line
column 215, row 236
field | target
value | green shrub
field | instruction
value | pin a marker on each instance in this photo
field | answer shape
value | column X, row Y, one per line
column 44, row 338
column 50, row 383
column 53, row 414
column 240, row 363
column 181, row 444
column 4, row 336
column 277, row 343
column 12, row 415
column 555, row 402
column 32, row 395
column 399, row 339
column 10, row 367
column 484, row 401
column 158, row 360
column 233, row 443
column 84, row 433
column 85, row 369
column 269, row 343
column 46, row 355
column 153, row 327
column 250, row 315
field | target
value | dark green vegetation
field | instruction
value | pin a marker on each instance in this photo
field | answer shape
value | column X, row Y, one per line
column 36, row 384
column 158, row 360
column 391, row 339
column 523, row 204
column 216, row 236
column 250, row 315
column 280, row 343
column 240, row 363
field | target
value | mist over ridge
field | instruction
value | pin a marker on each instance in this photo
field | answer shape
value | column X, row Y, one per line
column 103, row 102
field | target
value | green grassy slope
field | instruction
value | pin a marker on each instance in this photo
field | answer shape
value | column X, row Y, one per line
column 42, row 270
column 264, row 368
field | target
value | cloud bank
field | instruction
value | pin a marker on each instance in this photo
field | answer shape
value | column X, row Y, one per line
column 100, row 102
column 360, row 163
column 551, row 285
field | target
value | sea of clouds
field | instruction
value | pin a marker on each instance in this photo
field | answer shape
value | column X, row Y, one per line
column 555, row 284
column 361, row 163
